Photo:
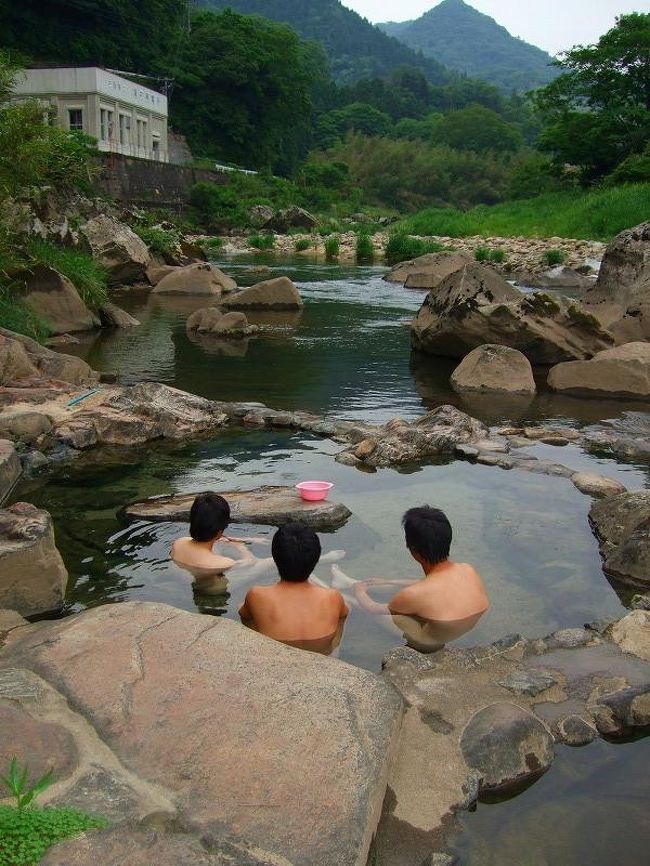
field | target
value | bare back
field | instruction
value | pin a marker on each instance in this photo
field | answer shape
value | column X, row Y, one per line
column 451, row 591
column 294, row 611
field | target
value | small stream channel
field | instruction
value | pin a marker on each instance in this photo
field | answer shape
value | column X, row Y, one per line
column 347, row 356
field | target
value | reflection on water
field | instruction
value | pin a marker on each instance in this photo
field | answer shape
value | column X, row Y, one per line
column 592, row 808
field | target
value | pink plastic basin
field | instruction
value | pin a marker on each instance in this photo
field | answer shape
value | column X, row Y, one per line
column 314, row 491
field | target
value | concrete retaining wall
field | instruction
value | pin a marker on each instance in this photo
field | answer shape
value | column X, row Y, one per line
column 150, row 184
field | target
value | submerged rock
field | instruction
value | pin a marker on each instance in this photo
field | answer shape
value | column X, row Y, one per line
column 507, row 746
column 475, row 306
column 211, row 320
column 594, row 484
column 620, row 372
column 494, row 368
column 33, row 577
column 270, row 506
column 175, row 696
column 276, row 294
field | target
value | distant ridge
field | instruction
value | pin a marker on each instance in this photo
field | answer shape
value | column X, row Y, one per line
column 466, row 40
column 355, row 48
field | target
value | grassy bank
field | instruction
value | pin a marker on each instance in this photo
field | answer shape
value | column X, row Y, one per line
column 596, row 215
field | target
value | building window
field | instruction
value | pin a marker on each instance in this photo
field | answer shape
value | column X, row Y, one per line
column 75, row 119
column 125, row 129
column 106, row 128
column 155, row 144
column 141, row 132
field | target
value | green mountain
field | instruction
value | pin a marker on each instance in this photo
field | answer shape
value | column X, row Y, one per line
column 466, row 40
column 354, row 47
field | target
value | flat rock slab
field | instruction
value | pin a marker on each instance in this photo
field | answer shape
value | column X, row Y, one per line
column 282, row 751
column 271, row 506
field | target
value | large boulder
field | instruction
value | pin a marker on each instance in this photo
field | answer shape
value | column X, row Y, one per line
column 290, row 218
column 507, row 746
column 474, row 306
column 33, row 577
column 142, row 413
column 23, row 359
column 260, row 214
column 632, row 634
column 428, row 271
column 280, row 756
column 276, row 294
column 620, row 372
column 622, row 526
column 211, row 320
column 621, row 296
column 494, row 369
column 124, row 255
column 197, row 279
column 53, row 298
column 10, row 468
column 270, row 506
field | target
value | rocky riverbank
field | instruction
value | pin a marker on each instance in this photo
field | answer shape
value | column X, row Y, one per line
column 524, row 256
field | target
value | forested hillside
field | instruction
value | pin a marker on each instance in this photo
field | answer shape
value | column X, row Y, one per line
column 354, row 47
column 468, row 41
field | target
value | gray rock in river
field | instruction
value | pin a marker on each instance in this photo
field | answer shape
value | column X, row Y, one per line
column 268, row 506
column 622, row 526
column 496, row 369
column 475, row 306
column 124, row 255
column 33, row 577
column 507, row 746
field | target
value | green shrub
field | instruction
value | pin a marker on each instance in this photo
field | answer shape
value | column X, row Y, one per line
column 401, row 247
column 498, row 256
column 15, row 316
column 332, row 246
column 262, row 242
column 482, row 254
column 211, row 245
column 161, row 242
column 554, row 257
column 365, row 250
column 88, row 276
column 302, row 244
column 26, row 834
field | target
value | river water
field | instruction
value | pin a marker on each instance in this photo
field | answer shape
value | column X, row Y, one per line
column 346, row 356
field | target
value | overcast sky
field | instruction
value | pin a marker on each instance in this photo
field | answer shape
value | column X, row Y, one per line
column 552, row 24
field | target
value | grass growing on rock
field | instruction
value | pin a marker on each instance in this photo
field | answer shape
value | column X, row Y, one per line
column 596, row 215
column 26, row 834
column 401, row 247
column 87, row 275
column 332, row 246
column 365, row 251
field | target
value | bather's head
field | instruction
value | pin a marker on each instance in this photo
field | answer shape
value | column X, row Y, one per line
column 209, row 517
column 428, row 535
column 296, row 550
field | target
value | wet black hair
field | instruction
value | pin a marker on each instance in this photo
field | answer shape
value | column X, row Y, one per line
column 296, row 550
column 209, row 515
column 428, row 533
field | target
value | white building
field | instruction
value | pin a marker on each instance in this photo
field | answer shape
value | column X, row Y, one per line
column 124, row 117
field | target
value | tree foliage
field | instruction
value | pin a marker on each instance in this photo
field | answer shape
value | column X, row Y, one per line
column 598, row 110
column 244, row 91
column 479, row 129
column 126, row 34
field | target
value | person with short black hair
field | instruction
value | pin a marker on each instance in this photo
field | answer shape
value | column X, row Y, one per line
column 447, row 602
column 295, row 610
column 209, row 518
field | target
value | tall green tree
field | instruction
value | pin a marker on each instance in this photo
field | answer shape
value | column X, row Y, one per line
column 243, row 91
column 598, row 110
column 480, row 129
column 135, row 35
